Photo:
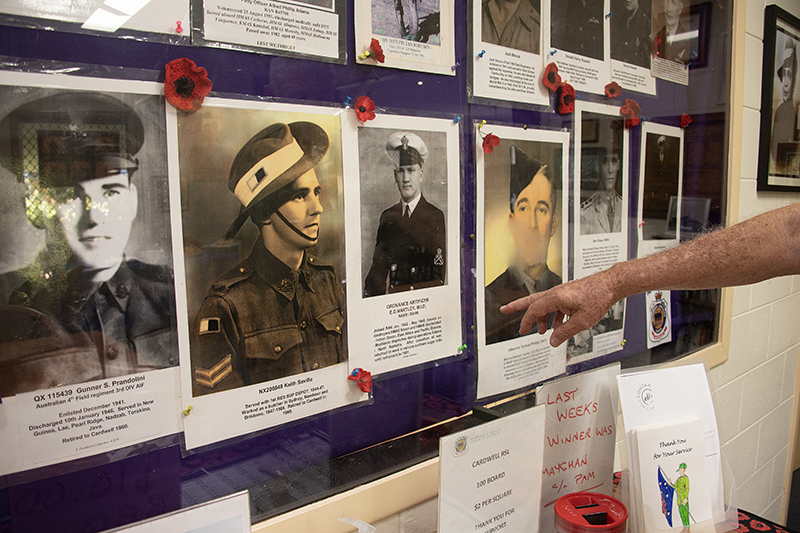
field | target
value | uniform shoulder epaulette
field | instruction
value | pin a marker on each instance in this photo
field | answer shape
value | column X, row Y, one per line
column 315, row 262
column 589, row 201
column 236, row 275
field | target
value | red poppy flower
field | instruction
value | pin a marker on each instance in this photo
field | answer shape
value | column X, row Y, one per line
column 363, row 378
column 365, row 108
column 550, row 77
column 743, row 529
column 685, row 120
column 613, row 90
column 760, row 526
column 743, row 517
column 631, row 112
column 377, row 51
column 186, row 84
column 490, row 142
column 566, row 99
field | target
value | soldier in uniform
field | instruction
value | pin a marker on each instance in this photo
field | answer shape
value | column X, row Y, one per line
column 510, row 23
column 532, row 222
column 602, row 211
column 81, row 310
column 279, row 312
column 630, row 33
column 410, row 246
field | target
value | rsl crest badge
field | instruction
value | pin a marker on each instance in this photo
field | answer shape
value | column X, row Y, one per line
column 659, row 329
column 460, row 446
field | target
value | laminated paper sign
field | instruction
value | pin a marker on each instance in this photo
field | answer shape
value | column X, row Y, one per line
column 490, row 476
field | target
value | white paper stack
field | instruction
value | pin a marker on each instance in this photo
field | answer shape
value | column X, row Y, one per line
column 659, row 403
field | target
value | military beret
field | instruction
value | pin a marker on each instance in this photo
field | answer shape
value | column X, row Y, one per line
column 523, row 169
column 70, row 137
column 273, row 158
column 405, row 148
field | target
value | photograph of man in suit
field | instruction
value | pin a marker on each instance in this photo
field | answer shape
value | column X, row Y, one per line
column 82, row 309
column 532, row 221
column 673, row 38
column 280, row 311
column 410, row 247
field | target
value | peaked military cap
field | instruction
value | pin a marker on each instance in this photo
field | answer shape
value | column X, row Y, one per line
column 70, row 137
column 405, row 148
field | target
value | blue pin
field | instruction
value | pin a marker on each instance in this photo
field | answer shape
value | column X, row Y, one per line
column 609, row 14
column 482, row 53
column 347, row 101
column 458, row 117
column 456, row 65
column 552, row 53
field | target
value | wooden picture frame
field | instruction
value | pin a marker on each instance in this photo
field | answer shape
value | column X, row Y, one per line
column 779, row 146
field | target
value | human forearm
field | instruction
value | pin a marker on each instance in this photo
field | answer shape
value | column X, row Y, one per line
column 760, row 248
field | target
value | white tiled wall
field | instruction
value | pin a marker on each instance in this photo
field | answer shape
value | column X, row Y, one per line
column 754, row 390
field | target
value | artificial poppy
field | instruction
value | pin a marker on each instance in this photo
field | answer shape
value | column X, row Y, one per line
column 630, row 110
column 490, row 142
column 365, row 108
column 566, row 99
column 376, row 50
column 186, row 84
column 363, row 378
column 551, row 78
column 613, row 90
column 685, row 120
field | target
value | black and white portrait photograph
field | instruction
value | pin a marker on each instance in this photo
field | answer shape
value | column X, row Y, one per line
column 779, row 153
column 660, row 187
column 86, row 272
column 630, row 32
column 512, row 23
column 404, row 206
column 601, row 188
column 672, row 30
column 578, row 27
column 602, row 204
column 402, row 199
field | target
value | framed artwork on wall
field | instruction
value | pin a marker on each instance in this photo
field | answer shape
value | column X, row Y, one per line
column 779, row 147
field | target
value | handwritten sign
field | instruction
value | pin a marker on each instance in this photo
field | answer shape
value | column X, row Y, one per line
column 580, row 432
column 489, row 476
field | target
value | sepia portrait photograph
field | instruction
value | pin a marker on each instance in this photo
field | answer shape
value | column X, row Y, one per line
column 262, row 222
column 86, row 273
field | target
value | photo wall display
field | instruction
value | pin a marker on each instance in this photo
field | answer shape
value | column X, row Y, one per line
column 592, row 42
